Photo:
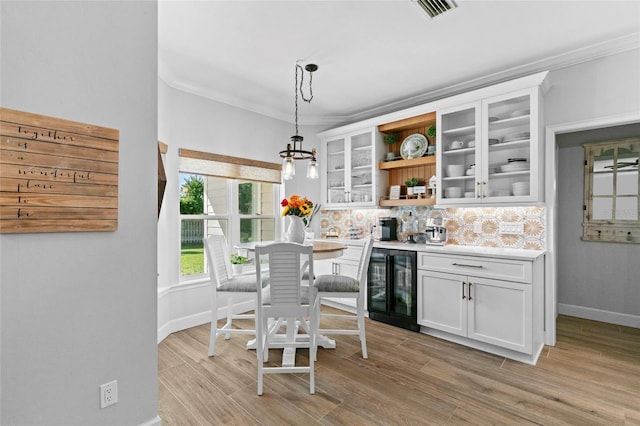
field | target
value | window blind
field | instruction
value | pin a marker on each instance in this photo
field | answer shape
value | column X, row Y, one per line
column 206, row 163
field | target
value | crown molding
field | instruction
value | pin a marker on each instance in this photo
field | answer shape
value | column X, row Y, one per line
column 551, row 63
column 563, row 60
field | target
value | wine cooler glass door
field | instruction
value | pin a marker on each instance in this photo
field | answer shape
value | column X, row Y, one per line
column 403, row 298
column 377, row 282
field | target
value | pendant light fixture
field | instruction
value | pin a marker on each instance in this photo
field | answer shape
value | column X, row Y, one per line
column 294, row 149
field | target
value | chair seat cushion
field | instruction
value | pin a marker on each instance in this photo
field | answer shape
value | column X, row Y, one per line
column 244, row 283
column 304, row 295
column 336, row 284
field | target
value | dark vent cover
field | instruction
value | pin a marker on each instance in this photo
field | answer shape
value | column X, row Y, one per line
column 436, row 7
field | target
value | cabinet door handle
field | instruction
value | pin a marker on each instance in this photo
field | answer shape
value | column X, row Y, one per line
column 484, row 189
column 468, row 266
column 463, row 296
column 478, row 189
column 469, row 288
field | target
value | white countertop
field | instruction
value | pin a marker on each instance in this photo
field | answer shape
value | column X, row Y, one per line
column 503, row 253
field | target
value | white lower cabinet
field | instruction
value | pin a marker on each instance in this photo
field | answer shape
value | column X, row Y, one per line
column 490, row 304
column 491, row 311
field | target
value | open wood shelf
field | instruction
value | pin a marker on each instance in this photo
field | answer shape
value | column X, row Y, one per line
column 422, row 161
column 384, row 202
column 424, row 120
column 401, row 170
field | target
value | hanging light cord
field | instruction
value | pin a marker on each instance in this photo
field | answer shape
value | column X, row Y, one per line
column 299, row 68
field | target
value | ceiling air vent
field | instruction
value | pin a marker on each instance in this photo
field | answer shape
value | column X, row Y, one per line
column 435, row 7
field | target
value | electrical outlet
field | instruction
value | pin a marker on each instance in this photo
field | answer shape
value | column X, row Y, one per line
column 516, row 228
column 477, row 227
column 108, row 394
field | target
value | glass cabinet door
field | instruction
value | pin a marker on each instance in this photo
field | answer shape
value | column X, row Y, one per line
column 489, row 150
column 362, row 169
column 458, row 155
column 351, row 173
column 336, row 177
column 377, row 282
column 508, row 159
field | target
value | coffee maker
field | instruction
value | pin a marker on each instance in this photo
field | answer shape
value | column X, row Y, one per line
column 388, row 229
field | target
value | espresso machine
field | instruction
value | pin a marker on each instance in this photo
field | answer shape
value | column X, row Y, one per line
column 435, row 233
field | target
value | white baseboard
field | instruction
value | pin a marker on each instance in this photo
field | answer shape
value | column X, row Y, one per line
column 157, row 421
column 183, row 323
column 600, row 315
column 188, row 297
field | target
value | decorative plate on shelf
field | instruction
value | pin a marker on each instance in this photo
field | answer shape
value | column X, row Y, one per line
column 413, row 146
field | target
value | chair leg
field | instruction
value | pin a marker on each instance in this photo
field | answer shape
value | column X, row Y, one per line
column 312, row 351
column 265, row 340
column 259, row 343
column 212, row 337
column 363, row 338
column 227, row 335
column 315, row 312
column 214, row 322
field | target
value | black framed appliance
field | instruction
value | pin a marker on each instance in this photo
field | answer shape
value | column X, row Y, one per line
column 392, row 289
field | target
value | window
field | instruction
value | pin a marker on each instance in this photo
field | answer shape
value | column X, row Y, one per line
column 223, row 195
column 242, row 211
column 612, row 191
column 257, row 211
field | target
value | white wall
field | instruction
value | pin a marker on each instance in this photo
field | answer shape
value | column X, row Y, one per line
column 79, row 309
column 597, row 280
column 605, row 90
column 594, row 89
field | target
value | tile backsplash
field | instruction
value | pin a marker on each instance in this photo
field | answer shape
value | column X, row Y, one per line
column 460, row 224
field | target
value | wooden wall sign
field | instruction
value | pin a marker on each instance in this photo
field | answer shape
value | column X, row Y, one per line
column 56, row 175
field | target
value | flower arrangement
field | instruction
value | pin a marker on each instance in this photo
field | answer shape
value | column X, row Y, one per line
column 301, row 207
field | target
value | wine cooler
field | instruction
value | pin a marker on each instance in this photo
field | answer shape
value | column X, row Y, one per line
column 391, row 287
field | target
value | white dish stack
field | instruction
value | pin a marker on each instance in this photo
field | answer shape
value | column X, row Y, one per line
column 514, row 167
column 453, row 192
column 520, row 188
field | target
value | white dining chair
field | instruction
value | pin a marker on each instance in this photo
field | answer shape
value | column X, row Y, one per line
column 235, row 287
column 285, row 298
column 343, row 286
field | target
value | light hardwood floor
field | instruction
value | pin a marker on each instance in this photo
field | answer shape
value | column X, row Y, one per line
column 591, row 377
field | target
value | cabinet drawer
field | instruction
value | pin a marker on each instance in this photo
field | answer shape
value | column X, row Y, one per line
column 501, row 269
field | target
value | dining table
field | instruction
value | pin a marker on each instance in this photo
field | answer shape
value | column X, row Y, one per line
column 321, row 250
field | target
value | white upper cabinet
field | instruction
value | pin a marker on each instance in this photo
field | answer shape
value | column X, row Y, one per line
column 489, row 150
column 350, row 162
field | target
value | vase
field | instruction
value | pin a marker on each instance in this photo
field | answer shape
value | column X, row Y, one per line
column 295, row 232
column 237, row 268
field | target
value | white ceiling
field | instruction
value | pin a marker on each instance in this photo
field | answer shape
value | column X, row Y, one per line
column 375, row 56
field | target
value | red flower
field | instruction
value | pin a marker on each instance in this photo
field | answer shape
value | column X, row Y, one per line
column 284, row 202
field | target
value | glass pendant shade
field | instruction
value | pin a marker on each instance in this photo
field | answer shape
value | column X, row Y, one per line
column 288, row 168
column 312, row 170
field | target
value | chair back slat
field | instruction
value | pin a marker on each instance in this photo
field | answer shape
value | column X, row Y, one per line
column 285, row 261
column 218, row 257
